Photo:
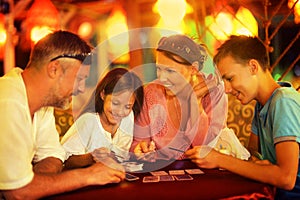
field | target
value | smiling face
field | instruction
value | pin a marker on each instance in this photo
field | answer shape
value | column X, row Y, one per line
column 117, row 106
column 238, row 78
column 172, row 75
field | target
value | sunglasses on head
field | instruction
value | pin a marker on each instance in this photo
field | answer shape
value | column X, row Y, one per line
column 85, row 58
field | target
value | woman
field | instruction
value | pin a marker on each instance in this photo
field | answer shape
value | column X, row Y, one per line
column 106, row 122
column 183, row 107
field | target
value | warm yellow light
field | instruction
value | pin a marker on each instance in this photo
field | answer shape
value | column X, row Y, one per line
column 171, row 11
column 85, row 29
column 226, row 24
column 2, row 36
column 244, row 23
column 2, row 30
column 39, row 32
column 222, row 26
column 296, row 10
column 118, row 38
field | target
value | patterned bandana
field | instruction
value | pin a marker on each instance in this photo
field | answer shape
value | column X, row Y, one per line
column 184, row 47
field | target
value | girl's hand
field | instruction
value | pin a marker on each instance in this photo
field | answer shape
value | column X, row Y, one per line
column 145, row 151
column 100, row 154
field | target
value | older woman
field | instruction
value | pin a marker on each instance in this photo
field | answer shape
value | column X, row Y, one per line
column 184, row 106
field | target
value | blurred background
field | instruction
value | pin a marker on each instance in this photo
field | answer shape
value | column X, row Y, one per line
column 275, row 22
column 128, row 31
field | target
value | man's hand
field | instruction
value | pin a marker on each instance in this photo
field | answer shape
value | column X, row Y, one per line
column 105, row 172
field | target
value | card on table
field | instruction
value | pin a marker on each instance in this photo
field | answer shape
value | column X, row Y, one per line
column 166, row 178
column 176, row 172
column 131, row 177
column 183, row 177
column 150, row 179
column 194, row 171
column 159, row 173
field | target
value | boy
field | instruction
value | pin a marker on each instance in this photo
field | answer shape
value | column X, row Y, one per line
column 243, row 65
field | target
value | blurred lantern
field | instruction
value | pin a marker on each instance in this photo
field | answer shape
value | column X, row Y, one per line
column 85, row 30
column 2, row 36
column 296, row 9
column 41, row 19
column 117, row 34
column 245, row 23
column 172, row 13
column 221, row 26
column 228, row 21
column 226, row 24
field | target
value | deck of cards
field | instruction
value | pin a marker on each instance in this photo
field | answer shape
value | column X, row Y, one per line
column 179, row 175
column 132, row 166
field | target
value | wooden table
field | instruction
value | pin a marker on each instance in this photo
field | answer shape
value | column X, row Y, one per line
column 213, row 184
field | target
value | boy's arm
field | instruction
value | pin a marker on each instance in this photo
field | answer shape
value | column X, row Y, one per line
column 253, row 148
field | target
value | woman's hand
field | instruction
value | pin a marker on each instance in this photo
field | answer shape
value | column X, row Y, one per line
column 201, row 87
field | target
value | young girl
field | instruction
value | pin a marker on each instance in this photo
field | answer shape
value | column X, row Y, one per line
column 106, row 122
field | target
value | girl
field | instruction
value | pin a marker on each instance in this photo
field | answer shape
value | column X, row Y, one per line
column 107, row 121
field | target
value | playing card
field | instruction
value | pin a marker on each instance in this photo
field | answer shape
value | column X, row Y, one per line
column 194, row 171
column 159, row 173
column 131, row 177
column 166, row 178
column 183, row 177
column 150, row 179
column 176, row 172
column 132, row 166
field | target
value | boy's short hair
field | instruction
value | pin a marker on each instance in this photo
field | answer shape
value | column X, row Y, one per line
column 242, row 49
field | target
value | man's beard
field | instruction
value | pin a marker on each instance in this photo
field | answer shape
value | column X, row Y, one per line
column 63, row 104
column 55, row 100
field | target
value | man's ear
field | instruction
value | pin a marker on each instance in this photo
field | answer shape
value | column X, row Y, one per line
column 52, row 69
column 253, row 65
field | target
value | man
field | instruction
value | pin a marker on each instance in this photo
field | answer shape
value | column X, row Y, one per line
column 31, row 155
column 243, row 64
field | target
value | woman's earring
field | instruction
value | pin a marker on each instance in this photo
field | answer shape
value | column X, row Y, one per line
column 194, row 78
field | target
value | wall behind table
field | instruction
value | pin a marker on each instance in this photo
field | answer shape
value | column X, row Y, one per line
column 63, row 121
column 240, row 118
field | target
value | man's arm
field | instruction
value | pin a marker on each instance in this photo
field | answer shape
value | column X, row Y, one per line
column 48, row 165
column 76, row 161
column 49, row 184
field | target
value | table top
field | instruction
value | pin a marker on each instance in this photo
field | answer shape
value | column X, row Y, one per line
column 213, row 184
